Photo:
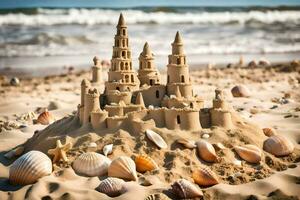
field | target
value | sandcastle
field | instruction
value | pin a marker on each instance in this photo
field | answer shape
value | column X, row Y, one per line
column 142, row 98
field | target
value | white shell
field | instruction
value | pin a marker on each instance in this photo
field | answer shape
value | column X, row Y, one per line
column 92, row 146
column 123, row 167
column 29, row 168
column 205, row 136
column 107, row 149
column 156, row 138
column 91, row 164
column 112, row 187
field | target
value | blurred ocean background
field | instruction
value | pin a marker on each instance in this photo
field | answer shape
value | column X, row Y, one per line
column 53, row 37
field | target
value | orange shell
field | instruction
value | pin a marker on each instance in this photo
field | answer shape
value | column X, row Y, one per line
column 203, row 176
column 145, row 163
column 45, row 118
column 269, row 132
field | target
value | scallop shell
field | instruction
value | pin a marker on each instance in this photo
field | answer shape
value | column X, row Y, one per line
column 111, row 186
column 250, row 153
column 187, row 143
column 240, row 91
column 45, row 118
column 28, row 168
column 145, row 163
column 203, row 176
column 156, row 138
column 123, row 167
column 269, row 132
column 278, row 145
column 206, row 151
column 107, row 149
column 185, row 189
column 91, row 164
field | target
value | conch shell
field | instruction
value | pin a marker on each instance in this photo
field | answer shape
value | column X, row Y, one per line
column 91, row 164
column 187, row 143
column 45, row 118
column 185, row 189
column 250, row 153
column 145, row 163
column 206, row 151
column 111, row 186
column 28, row 168
column 278, row 145
column 123, row 167
column 156, row 138
column 203, row 176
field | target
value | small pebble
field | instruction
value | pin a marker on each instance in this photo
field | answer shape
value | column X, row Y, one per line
column 205, row 136
column 14, row 81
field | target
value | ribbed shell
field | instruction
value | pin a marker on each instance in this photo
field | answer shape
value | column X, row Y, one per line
column 45, row 118
column 240, row 91
column 28, row 168
column 278, row 145
column 111, row 186
column 123, row 167
column 269, row 132
column 206, row 151
column 145, row 163
column 185, row 189
column 187, row 143
column 203, row 176
column 156, row 138
column 250, row 153
column 91, row 164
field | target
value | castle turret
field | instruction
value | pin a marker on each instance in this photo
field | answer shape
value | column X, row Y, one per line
column 85, row 85
column 139, row 100
column 92, row 103
column 178, row 70
column 147, row 73
column 121, row 75
column 96, row 70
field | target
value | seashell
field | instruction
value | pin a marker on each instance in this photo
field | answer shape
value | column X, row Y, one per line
column 250, row 153
column 111, row 186
column 145, row 163
column 14, row 81
column 219, row 146
column 45, row 118
column 123, row 167
column 240, row 91
column 156, row 138
column 107, row 149
column 28, row 168
column 91, row 164
column 187, row 143
column 206, row 151
column 185, row 189
column 205, row 136
column 278, row 145
column 269, row 132
column 203, row 176
column 157, row 196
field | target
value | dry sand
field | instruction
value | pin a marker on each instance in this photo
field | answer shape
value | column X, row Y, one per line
column 274, row 102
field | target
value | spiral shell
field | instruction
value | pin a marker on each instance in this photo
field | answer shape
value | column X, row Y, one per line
column 111, row 186
column 250, row 153
column 28, row 168
column 269, row 132
column 187, row 143
column 123, row 167
column 145, row 163
column 185, row 189
column 206, row 151
column 240, row 91
column 278, row 145
column 91, row 164
column 45, row 118
column 156, row 138
column 203, row 176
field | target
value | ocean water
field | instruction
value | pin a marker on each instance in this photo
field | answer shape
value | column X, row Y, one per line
column 208, row 33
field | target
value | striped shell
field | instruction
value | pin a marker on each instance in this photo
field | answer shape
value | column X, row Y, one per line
column 240, row 91
column 91, row 164
column 145, row 163
column 203, row 176
column 111, row 186
column 185, row 189
column 187, row 143
column 250, row 153
column 28, row 168
column 206, row 151
column 269, row 132
column 156, row 138
column 278, row 145
column 123, row 167
column 45, row 118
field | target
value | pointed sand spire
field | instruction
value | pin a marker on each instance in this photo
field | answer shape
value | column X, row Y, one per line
column 146, row 50
column 85, row 82
column 139, row 100
column 178, row 38
column 121, row 21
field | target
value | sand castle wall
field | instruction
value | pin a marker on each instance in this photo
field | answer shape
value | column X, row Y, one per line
column 153, row 95
column 115, row 123
column 186, row 119
column 205, row 118
column 186, row 90
column 132, row 108
column 91, row 104
column 222, row 118
column 116, row 97
column 114, row 110
column 140, row 126
column 98, row 119
column 158, row 115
